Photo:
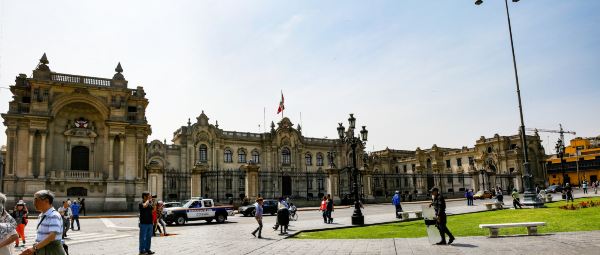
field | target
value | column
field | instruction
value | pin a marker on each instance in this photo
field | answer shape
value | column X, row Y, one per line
column 111, row 142
column 197, row 180
column 43, row 156
column 251, row 185
column 332, row 183
column 30, row 154
column 121, row 158
column 368, row 183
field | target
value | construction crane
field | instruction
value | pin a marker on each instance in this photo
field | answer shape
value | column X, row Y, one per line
column 560, row 131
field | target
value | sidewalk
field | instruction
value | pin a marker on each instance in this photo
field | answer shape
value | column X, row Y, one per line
column 559, row 244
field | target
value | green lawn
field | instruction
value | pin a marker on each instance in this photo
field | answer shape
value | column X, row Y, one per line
column 557, row 220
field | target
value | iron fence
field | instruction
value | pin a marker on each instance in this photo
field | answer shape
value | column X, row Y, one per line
column 176, row 186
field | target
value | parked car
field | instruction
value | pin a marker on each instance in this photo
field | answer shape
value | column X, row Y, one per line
column 172, row 204
column 554, row 189
column 269, row 207
column 483, row 194
column 198, row 209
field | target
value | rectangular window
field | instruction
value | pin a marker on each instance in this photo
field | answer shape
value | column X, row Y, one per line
column 241, row 158
column 309, row 184
column 448, row 163
column 413, row 167
column 405, row 168
column 461, row 178
column 228, row 183
column 320, row 184
column 449, row 178
column 471, row 161
column 459, row 161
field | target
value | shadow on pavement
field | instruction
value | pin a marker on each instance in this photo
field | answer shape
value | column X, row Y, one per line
column 464, row 245
column 202, row 224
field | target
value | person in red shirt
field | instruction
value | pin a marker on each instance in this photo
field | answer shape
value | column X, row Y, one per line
column 323, row 208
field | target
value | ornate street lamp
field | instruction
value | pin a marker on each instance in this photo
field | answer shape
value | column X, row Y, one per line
column 530, row 197
column 347, row 137
column 560, row 153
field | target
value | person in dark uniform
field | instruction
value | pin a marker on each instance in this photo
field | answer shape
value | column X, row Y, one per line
column 439, row 204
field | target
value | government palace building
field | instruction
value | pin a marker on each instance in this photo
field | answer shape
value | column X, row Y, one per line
column 87, row 137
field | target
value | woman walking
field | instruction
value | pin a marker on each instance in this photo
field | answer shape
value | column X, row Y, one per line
column 323, row 208
column 161, row 213
column 20, row 216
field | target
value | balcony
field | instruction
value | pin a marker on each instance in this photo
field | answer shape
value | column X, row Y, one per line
column 80, row 175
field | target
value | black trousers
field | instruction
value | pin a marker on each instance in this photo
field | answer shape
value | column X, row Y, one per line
column 517, row 202
column 443, row 228
column 398, row 209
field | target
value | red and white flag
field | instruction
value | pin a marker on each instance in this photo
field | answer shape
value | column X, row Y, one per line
column 281, row 106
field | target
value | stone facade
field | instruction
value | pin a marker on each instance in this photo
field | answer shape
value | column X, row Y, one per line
column 78, row 136
column 224, row 164
column 496, row 161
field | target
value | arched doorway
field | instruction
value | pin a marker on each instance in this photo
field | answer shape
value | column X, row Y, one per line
column 80, row 158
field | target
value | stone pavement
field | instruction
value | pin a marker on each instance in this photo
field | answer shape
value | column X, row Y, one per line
column 559, row 243
column 233, row 237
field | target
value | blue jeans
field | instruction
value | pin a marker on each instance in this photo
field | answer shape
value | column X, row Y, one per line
column 145, row 237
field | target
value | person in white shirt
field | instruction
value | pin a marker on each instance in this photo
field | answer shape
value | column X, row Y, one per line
column 8, row 226
column 66, row 213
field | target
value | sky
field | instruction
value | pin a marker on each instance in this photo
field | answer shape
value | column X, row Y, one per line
column 416, row 73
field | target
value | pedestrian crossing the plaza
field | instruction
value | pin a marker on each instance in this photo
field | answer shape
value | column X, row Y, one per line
column 76, row 237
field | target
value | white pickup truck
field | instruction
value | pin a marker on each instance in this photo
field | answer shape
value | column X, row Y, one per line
column 198, row 209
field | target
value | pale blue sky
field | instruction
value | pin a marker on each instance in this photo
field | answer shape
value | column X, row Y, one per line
column 415, row 72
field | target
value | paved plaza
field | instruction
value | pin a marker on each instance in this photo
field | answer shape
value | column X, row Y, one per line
column 120, row 236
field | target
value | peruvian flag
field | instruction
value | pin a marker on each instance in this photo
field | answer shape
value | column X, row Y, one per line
column 281, row 106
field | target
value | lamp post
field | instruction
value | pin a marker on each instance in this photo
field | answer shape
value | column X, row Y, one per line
column 560, row 153
column 529, row 196
column 348, row 137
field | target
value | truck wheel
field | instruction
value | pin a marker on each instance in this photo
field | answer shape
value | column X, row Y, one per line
column 180, row 220
column 220, row 218
column 209, row 220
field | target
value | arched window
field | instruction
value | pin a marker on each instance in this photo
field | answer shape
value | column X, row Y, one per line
column 255, row 157
column 308, row 158
column 80, row 158
column 241, row 156
column 286, row 156
column 203, row 153
column 319, row 159
column 228, row 156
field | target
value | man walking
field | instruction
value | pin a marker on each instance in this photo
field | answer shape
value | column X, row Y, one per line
column 329, row 209
column 75, row 212
column 569, row 192
column 258, row 213
column 146, row 226
column 65, row 212
column 396, row 202
column 516, row 199
column 439, row 204
column 49, row 228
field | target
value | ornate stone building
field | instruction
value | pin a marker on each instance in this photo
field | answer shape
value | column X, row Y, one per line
column 229, row 164
column 496, row 161
column 78, row 136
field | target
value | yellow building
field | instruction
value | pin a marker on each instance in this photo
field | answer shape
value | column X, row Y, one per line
column 580, row 162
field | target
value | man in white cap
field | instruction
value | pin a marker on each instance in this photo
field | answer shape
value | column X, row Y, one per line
column 396, row 202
